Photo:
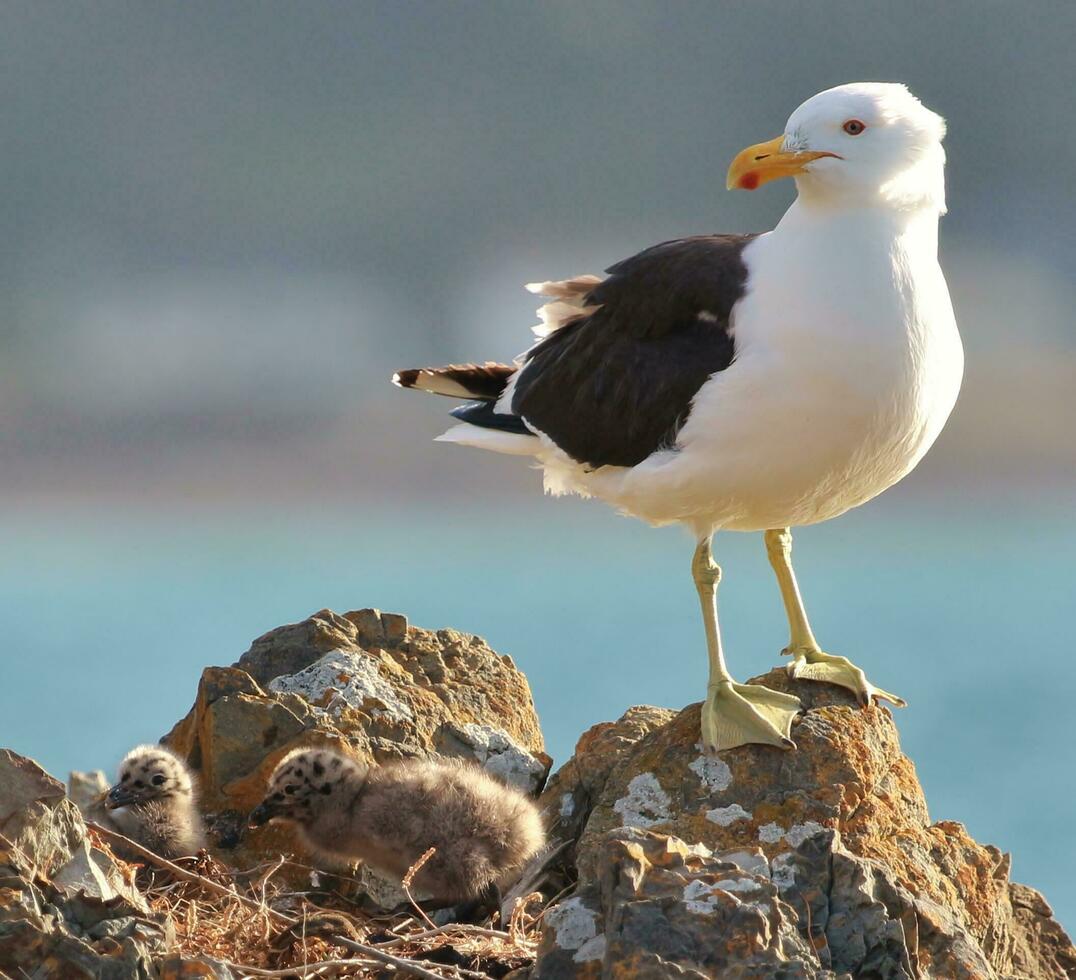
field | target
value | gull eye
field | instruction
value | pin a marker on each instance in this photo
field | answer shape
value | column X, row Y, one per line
column 159, row 780
column 853, row 127
column 289, row 789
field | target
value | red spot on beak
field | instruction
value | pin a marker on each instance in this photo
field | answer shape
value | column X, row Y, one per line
column 749, row 181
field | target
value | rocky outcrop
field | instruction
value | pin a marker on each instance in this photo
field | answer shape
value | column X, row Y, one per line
column 816, row 864
column 366, row 682
column 820, row 862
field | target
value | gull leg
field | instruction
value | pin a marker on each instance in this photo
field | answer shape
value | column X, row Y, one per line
column 735, row 714
column 808, row 660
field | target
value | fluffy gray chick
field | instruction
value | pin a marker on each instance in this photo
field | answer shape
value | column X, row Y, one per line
column 153, row 802
column 389, row 816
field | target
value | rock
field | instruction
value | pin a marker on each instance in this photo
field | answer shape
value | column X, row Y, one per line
column 93, row 873
column 495, row 751
column 66, row 908
column 365, row 682
column 84, row 789
column 837, row 832
column 45, row 836
column 1040, row 936
column 579, row 783
column 36, row 818
column 662, row 908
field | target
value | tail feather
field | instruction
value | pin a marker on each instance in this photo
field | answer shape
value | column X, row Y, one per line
column 482, row 382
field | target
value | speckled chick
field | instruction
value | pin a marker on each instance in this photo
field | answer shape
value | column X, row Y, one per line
column 154, row 803
column 389, row 816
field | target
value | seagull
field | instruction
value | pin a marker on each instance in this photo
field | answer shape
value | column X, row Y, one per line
column 753, row 382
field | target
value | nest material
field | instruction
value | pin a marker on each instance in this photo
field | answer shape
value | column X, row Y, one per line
column 260, row 929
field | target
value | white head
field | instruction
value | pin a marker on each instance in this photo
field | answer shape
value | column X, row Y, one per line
column 867, row 143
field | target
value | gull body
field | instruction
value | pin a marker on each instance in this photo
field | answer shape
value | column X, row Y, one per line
column 845, row 373
column 751, row 382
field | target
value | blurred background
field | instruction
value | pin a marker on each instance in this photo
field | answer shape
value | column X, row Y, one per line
column 227, row 224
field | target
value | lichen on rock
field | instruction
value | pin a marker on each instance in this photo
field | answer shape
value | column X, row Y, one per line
column 644, row 804
column 342, row 679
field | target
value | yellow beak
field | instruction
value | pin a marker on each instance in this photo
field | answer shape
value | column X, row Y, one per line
column 763, row 162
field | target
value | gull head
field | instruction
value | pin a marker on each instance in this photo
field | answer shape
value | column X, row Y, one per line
column 862, row 144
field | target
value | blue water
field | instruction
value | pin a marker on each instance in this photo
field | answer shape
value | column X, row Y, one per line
column 107, row 619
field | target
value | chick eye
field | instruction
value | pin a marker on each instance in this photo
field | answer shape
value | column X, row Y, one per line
column 853, row 127
column 290, row 789
column 159, row 779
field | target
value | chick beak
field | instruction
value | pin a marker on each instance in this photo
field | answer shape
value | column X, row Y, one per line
column 763, row 162
column 119, row 796
column 260, row 815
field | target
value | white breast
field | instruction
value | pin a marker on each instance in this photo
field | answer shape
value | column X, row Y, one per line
column 848, row 364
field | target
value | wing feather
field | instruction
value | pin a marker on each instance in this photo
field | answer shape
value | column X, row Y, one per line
column 613, row 383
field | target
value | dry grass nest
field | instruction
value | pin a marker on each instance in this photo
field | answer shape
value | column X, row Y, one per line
column 261, row 928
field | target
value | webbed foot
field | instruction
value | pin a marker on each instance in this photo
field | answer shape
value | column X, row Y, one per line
column 814, row 665
column 741, row 714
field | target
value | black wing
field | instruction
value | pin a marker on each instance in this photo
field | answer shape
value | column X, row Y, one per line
column 612, row 387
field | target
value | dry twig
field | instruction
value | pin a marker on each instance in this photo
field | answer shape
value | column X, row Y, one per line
column 447, row 928
column 409, row 877
column 303, row 972
column 420, row 968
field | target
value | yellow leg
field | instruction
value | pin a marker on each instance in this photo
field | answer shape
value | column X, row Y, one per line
column 808, row 660
column 735, row 714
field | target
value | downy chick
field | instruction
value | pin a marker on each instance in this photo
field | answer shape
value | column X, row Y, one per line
column 388, row 816
column 153, row 802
